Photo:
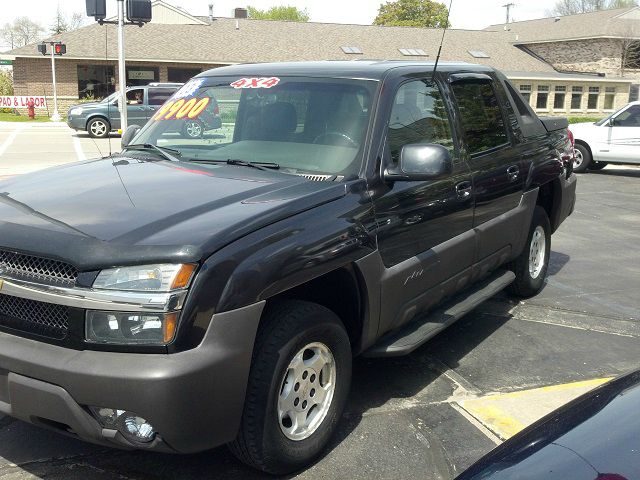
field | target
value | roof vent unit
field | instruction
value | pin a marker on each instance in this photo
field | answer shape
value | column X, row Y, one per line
column 352, row 50
column 240, row 13
column 412, row 52
column 478, row 54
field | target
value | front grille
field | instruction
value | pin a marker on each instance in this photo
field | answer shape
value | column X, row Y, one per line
column 38, row 318
column 37, row 269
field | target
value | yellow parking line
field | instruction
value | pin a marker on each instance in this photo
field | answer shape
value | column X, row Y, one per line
column 505, row 414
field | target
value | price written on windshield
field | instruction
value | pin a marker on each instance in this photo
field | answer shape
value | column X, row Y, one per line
column 178, row 109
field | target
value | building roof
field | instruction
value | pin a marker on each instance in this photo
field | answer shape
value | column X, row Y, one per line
column 230, row 41
column 618, row 23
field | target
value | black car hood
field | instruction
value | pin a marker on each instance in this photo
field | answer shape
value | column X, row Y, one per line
column 128, row 210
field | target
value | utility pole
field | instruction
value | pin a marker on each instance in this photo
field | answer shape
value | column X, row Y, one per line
column 122, row 71
column 56, row 116
column 508, row 6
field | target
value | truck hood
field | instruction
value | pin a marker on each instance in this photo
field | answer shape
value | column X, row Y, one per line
column 130, row 210
column 581, row 130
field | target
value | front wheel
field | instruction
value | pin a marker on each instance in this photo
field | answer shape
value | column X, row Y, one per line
column 582, row 158
column 298, row 386
column 532, row 264
column 98, row 128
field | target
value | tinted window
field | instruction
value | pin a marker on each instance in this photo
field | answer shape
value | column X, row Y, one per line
column 157, row 96
column 481, row 116
column 418, row 116
column 629, row 118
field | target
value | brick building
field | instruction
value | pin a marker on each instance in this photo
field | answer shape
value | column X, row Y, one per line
column 177, row 45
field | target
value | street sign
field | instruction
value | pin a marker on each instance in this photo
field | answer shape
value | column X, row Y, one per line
column 6, row 62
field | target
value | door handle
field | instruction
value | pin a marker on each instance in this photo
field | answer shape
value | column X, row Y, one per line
column 463, row 189
column 513, row 172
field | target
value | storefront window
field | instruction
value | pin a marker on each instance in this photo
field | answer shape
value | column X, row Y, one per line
column 543, row 97
column 142, row 75
column 182, row 75
column 95, row 81
column 576, row 98
column 558, row 98
column 609, row 98
column 592, row 101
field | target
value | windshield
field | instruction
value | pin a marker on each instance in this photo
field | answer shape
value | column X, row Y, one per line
column 305, row 125
column 110, row 98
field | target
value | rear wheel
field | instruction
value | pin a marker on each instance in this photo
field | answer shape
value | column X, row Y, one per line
column 532, row 264
column 98, row 127
column 297, row 389
column 582, row 158
column 192, row 129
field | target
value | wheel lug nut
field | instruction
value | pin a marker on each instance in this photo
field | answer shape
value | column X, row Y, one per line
column 296, row 402
column 312, row 392
column 313, row 378
column 304, row 375
column 296, row 387
column 304, row 404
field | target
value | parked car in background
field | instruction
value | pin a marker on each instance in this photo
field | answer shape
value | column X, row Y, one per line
column 615, row 139
column 594, row 437
column 101, row 118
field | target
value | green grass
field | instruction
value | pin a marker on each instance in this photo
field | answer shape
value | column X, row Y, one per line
column 10, row 117
column 584, row 119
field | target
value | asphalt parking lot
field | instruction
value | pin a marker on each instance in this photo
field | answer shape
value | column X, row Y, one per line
column 431, row 414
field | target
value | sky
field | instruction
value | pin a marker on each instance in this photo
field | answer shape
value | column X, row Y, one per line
column 466, row 14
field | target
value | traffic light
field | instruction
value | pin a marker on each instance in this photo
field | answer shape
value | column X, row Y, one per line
column 42, row 48
column 139, row 11
column 59, row 49
column 97, row 9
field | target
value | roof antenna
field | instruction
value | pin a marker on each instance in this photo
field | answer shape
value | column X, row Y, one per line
column 444, row 31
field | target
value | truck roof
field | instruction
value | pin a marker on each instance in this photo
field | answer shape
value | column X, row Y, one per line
column 369, row 69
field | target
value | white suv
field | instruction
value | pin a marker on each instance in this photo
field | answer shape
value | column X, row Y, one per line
column 615, row 139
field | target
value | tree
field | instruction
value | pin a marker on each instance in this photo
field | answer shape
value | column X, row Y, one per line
column 413, row 13
column 65, row 23
column 290, row 14
column 572, row 7
column 6, row 83
column 21, row 32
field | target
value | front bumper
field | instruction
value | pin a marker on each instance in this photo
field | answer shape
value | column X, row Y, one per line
column 77, row 122
column 194, row 399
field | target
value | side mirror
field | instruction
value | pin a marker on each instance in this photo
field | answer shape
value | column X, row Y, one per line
column 612, row 122
column 129, row 134
column 421, row 161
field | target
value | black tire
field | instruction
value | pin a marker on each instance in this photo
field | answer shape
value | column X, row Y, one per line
column 597, row 165
column 583, row 158
column 98, row 127
column 286, row 329
column 192, row 129
column 526, row 284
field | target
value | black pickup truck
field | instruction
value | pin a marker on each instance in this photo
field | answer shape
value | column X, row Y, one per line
column 188, row 293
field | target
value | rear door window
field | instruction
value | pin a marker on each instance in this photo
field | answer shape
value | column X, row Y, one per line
column 482, row 120
column 157, row 96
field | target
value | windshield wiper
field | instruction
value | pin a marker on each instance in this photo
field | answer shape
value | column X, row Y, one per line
column 166, row 152
column 259, row 165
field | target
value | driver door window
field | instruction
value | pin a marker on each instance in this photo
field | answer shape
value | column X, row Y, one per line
column 418, row 116
column 629, row 118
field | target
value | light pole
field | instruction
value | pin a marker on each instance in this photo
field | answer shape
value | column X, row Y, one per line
column 122, row 71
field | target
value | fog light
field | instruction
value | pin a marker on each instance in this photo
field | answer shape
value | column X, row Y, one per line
column 135, row 429
column 132, row 427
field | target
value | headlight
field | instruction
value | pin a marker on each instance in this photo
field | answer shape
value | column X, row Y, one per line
column 146, row 278
column 124, row 328
column 75, row 111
